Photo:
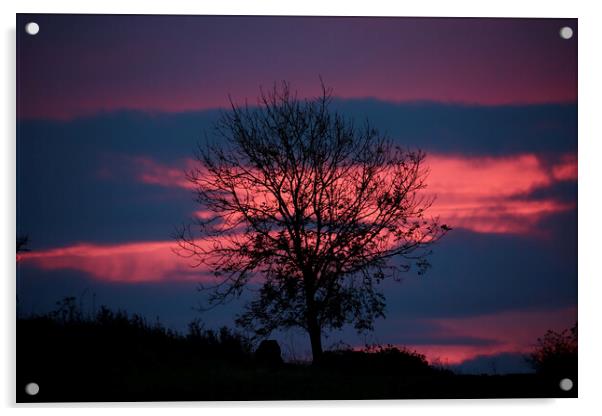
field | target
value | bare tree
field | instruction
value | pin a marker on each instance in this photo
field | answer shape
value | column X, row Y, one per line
column 316, row 211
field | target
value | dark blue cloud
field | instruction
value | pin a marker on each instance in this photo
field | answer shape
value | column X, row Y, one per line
column 564, row 191
column 416, row 331
column 61, row 191
column 472, row 130
column 485, row 273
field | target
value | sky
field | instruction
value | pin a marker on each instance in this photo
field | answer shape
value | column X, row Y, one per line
column 110, row 109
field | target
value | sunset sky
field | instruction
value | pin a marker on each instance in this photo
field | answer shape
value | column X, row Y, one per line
column 110, row 109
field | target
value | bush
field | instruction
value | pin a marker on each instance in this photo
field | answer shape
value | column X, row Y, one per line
column 556, row 353
column 384, row 359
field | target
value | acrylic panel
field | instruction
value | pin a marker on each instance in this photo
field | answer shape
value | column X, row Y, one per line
column 290, row 208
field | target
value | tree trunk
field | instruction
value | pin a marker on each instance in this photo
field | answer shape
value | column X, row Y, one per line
column 313, row 326
column 315, row 337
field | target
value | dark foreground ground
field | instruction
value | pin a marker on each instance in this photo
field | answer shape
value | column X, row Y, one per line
column 118, row 358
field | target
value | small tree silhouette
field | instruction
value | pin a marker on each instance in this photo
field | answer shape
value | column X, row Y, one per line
column 555, row 353
column 22, row 242
column 314, row 209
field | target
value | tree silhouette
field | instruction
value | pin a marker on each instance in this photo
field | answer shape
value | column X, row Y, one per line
column 312, row 208
column 22, row 242
column 556, row 353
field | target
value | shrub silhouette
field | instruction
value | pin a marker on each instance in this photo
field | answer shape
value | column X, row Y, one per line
column 117, row 336
column 555, row 354
column 381, row 359
column 224, row 343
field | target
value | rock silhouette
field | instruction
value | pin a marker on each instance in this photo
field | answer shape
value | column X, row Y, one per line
column 268, row 353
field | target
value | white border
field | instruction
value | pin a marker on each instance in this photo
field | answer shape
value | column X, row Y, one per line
column 590, row 188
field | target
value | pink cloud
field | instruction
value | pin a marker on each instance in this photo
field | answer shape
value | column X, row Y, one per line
column 151, row 261
column 485, row 176
column 151, row 172
column 481, row 194
column 566, row 169
column 489, row 194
